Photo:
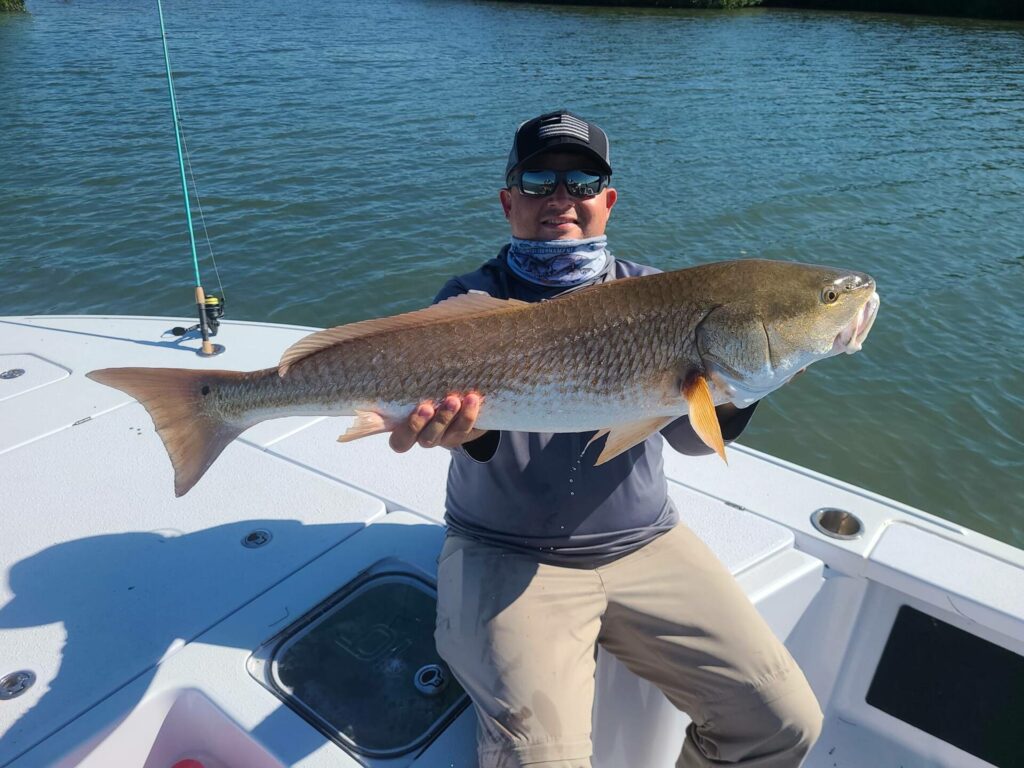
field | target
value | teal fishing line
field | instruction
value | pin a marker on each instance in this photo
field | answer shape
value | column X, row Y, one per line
column 177, row 139
column 202, row 218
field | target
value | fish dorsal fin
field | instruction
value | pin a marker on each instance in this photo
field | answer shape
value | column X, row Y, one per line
column 461, row 306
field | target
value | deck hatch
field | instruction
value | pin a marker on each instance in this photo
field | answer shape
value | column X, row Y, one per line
column 954, row 685
column 362, row 667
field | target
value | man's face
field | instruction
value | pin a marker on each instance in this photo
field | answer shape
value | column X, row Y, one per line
column 559, row 216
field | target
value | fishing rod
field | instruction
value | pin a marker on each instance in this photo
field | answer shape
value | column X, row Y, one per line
column 210, row 308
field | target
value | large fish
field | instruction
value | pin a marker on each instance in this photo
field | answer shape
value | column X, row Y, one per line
column 625, row 358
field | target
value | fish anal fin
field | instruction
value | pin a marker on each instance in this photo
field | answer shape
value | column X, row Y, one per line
column 366, row 423
column 462, row 306
column 624, row 436
column 703, row 418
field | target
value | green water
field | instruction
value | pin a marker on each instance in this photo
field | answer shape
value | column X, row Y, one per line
column 348, row 156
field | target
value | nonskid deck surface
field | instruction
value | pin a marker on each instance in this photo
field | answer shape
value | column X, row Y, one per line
column 119, row 597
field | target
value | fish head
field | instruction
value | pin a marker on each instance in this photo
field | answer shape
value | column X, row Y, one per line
column 778, row 318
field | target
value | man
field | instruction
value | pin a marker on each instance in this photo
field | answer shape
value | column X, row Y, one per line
column 548, row 555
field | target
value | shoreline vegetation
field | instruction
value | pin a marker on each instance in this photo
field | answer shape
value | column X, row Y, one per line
column 977, row 9
column 12, row 5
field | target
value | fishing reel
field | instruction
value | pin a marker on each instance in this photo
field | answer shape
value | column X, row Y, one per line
column 213, row 309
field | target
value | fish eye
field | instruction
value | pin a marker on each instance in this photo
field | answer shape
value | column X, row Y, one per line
column 830, row 295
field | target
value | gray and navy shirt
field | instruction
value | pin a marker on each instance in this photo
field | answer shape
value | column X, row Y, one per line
column 539, row 492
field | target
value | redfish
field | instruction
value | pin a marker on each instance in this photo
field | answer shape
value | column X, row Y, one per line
column 624, row 358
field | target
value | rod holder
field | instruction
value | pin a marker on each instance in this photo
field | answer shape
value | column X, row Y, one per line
column 837, row 523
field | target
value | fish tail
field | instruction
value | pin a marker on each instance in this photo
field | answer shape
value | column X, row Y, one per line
column 193, row 434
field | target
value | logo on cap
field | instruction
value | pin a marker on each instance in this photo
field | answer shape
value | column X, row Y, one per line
column 563, row 125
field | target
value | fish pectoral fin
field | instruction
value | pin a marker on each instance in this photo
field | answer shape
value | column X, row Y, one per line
column 703, row 418
column 624, row 436
column 366, row 423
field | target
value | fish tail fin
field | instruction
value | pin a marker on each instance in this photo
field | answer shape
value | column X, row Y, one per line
column 193, row 435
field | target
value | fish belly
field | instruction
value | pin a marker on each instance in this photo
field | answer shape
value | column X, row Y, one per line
column 551, row 408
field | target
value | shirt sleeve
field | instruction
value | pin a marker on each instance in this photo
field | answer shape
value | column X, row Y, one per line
column 452, row 288
column 733, row 421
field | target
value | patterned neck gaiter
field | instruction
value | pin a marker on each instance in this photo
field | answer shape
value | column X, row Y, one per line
column 558, row 262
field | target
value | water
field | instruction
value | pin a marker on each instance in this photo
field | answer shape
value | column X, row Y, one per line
column 348, row 156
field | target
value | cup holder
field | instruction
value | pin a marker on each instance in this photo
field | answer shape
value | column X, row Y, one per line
column 837, row 523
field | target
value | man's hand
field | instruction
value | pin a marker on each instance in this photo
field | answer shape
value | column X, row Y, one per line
column 449, row 425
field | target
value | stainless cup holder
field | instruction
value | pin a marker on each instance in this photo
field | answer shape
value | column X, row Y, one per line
column 837, row 523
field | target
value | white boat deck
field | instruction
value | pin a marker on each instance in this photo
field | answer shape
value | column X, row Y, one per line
column 138, row 612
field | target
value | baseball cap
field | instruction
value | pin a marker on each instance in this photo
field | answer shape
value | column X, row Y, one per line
column 558, row 130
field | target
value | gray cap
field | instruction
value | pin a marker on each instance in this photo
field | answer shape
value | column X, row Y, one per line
column 560, row 130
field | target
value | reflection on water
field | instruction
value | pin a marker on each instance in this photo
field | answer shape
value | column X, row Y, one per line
column 348, row 156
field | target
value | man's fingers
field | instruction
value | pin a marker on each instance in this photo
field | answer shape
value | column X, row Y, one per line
column 443, row 417
column 450, row 424
column 461, row 429
column 404, row 436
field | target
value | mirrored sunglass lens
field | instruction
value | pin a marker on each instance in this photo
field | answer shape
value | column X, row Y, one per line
column 537, row 182
column 583, row 183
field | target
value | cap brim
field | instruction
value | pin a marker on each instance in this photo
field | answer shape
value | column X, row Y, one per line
column 565, row 144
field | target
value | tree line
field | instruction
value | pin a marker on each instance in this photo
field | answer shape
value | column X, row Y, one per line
column 982, row 9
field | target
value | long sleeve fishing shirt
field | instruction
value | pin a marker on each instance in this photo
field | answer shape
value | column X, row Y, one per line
column 538, row 492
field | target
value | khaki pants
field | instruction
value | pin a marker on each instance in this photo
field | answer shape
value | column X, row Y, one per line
column 520, row 637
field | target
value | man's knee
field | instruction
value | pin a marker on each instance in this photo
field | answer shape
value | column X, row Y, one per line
column 806, row 721
column 774, row 727
column 794, row 710
column 798, row 720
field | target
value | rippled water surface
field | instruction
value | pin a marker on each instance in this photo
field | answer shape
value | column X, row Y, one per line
column 348, row 155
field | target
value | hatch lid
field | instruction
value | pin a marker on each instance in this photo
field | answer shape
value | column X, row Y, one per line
column 362, row 666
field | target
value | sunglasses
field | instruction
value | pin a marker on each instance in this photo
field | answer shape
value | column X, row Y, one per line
column 544, row 182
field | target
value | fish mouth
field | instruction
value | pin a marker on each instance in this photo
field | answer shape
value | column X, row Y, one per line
column 851, row 338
